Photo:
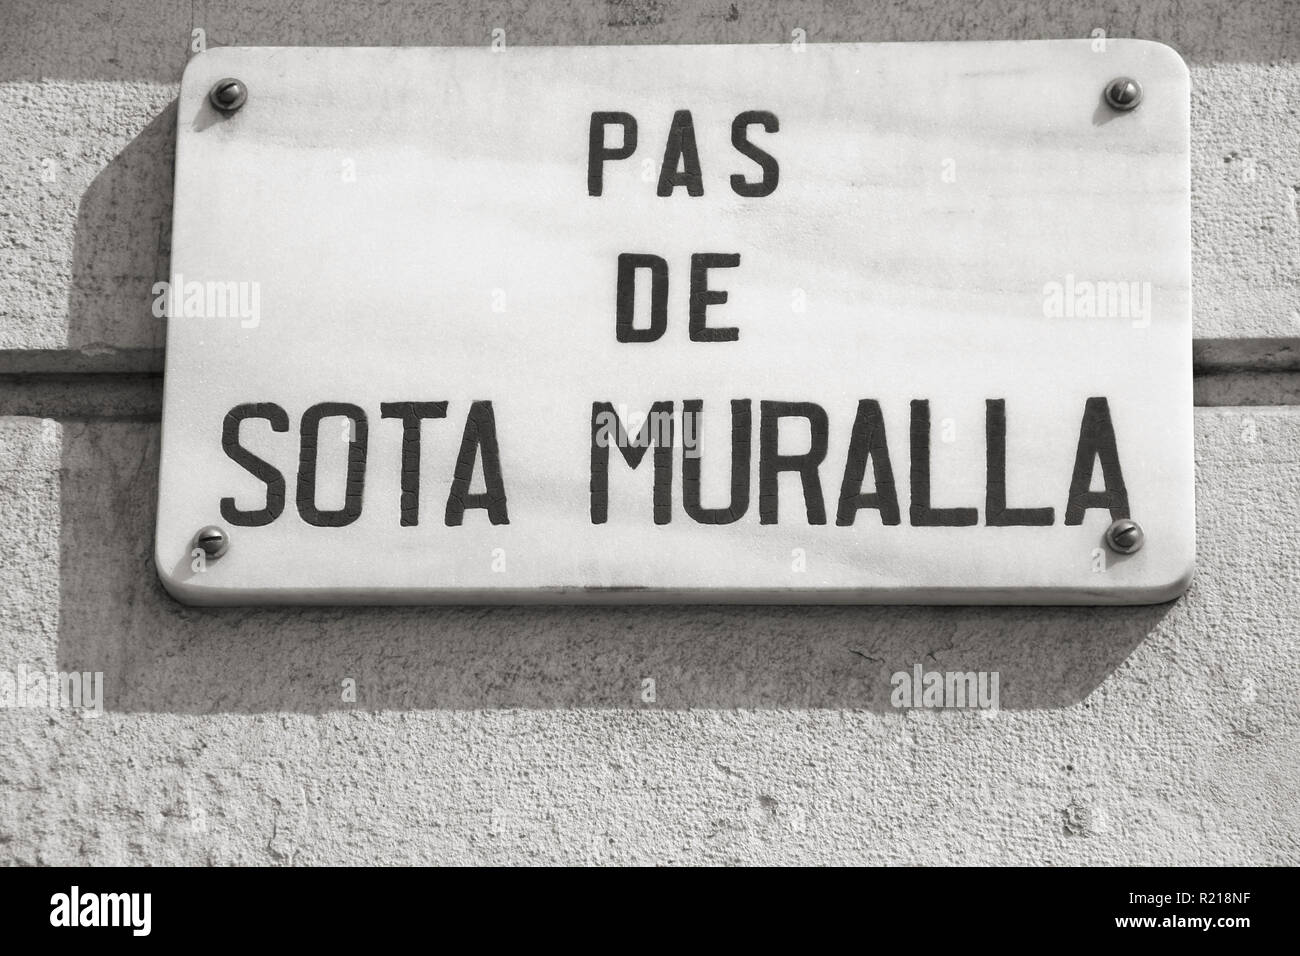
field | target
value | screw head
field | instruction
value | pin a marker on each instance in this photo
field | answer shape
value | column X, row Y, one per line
column 1125, row 536
column 1123, row 94
column 212, row 541
column 228, row 95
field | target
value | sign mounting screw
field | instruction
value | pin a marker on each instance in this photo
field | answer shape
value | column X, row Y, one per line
column 1125, row 536
column 227, row 95
column 1123, row 94
column 212, row 541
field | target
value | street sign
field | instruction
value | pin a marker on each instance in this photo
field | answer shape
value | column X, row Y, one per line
column 785, row 323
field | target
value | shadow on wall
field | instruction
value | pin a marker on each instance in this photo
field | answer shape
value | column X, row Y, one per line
column 157, row 655
column 144, row 41
column 122, row 243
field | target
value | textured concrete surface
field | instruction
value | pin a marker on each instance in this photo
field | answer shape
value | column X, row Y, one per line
column 1165, row 734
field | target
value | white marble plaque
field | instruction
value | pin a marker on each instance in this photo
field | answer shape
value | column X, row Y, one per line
column 817, row 323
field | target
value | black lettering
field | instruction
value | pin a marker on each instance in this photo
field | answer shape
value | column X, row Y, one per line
column 625, row 301
column 598, row 152
column 868, row 441
column 1096, row 440
column 996, row 512
column 738, row 504
column 657, row 429
column 702, row 296
column 358, row 441
column 921, row 513
column 268, row 474
column 771, row 464
column 480, row 434
column 740, row 139
column 680, row 150
column 411, row 414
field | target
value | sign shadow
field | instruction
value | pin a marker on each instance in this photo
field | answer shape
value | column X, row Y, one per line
column 160, row 656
